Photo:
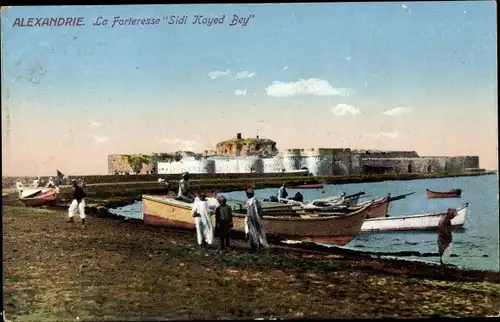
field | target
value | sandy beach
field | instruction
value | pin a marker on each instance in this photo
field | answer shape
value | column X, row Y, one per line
column 116, row 270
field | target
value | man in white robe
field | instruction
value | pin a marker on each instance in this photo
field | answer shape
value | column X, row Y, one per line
column 202, row 218
column 19, row 188
column 256, row 231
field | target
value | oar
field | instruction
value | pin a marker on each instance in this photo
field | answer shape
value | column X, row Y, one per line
column 355, row 195
column 400, row 196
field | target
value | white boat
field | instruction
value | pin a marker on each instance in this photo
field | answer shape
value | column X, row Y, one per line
column 339, row 199
column 426, row 221
column 319, row 204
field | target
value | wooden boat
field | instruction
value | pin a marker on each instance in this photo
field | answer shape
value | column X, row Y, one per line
column 26, row 192
column 454, row 193
column 329, row 204
column 379, row 207
column 45, row 197
column 426, row 221
column 332, row 229
column 307, row 186
column 352, row 199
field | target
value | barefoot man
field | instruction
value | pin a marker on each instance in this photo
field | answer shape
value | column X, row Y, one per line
column 78, row 203
column 256, row 232
column 444, row 235
column 203, row 221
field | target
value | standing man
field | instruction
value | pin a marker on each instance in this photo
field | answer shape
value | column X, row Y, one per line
column 223, row 222
column 256, row 232
column 203, row 221
column 78, row 203
column 282, row 194
column 50, row 183
column 444, row 235
column 184, row 194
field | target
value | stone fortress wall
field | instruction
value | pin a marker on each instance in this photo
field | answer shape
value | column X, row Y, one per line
column 239, row 155
column 321, row 162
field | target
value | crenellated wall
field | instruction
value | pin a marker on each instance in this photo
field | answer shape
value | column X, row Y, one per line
column 319, row 161
column 187, row 165
column 292, row 159
column 273, row 164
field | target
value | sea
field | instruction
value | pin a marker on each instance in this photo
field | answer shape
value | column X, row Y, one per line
column 475, row 247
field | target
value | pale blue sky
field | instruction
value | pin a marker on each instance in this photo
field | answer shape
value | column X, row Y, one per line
column 434, row 58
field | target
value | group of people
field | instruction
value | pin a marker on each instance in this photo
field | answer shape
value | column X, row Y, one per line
column 203, row 209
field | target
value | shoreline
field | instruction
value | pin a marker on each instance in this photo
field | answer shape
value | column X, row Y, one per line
column 119, row 270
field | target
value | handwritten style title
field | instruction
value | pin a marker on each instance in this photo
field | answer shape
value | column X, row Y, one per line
column 118, row 21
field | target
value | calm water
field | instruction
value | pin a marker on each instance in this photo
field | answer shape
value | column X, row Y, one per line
column 477, row 246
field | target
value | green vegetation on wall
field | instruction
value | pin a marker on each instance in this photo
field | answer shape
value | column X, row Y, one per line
column 137, row 161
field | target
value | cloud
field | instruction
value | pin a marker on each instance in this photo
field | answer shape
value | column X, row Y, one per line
column 240, row 92
column 343, row 109
column 100, row 139
column 244, row 74
column 348, row 58
column 390, row 135
column 404, row 6
column 311, row 86
column 397, row 111
column 94, row 123
column 217, row 73
column 180, row 144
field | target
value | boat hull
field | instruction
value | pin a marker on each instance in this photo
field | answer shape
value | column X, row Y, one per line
column 414, row 222
column 379, row 208
column 44, row 198
column 455, row 193
column 336, row 230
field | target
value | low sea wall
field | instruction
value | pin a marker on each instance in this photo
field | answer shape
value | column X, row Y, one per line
column 8, row 182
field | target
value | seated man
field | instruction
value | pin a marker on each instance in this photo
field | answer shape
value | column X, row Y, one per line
column 282, row 194
column 184, row 193
column 298, row 197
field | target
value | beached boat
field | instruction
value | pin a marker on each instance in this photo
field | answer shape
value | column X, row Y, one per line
column 26, row 192
column 333, row 229
column 43, row 197
column 454, row 193
column 426, row 221
column 379, row 207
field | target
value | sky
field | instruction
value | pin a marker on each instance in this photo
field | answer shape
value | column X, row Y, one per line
column 418, row 76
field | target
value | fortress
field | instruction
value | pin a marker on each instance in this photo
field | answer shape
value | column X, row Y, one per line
column 257, row 155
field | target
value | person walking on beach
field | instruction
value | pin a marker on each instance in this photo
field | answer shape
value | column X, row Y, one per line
column 203, row 221
column 19, row 188
column 50, row 183
column 256, row 232
column 78, row 203
column 184, row 187
column 223, row 222
column 444, row 235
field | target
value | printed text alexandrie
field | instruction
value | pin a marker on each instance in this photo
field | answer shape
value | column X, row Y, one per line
column 49, row 22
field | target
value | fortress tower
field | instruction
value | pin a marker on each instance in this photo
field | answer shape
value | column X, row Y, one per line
column 292, row 159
